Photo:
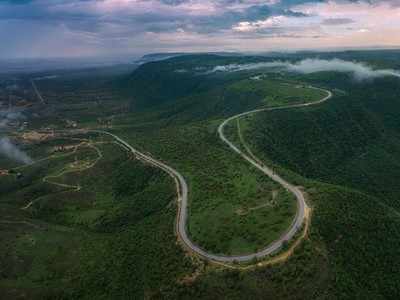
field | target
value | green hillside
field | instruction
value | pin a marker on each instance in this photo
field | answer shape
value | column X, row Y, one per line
column 114, row 237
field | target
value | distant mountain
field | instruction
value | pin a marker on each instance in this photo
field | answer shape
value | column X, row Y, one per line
column 163, row 56
column 31, row 65
column 157, row 57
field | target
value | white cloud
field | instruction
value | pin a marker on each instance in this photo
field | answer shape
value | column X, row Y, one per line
column 270, row 22
column 377, row 18
column 333, row 23
column 7, row 147
column 11, row 151
column 115, row 27
column 359, row 70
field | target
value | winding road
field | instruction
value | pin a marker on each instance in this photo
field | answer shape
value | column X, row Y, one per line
column 182, row 189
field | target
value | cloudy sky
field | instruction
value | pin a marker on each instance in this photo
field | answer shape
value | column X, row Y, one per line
column 71, row 28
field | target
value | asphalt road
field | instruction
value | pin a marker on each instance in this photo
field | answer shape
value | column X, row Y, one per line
column 182, row 190
column 301, row 203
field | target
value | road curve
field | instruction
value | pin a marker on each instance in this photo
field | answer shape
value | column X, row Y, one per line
column 182, row 190
column 301, row 203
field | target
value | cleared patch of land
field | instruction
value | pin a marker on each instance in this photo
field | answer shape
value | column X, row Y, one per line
column 278, row 92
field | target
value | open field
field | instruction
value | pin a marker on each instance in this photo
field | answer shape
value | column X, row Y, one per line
column 277, row 92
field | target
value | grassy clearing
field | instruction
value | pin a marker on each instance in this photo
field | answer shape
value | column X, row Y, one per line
column 277, row 92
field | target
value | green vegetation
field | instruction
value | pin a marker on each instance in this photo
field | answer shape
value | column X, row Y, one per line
column 234, row 208
column 350, row 141
column 225, row 191
column 275, row 92
column 98, row 242
column 114, row 238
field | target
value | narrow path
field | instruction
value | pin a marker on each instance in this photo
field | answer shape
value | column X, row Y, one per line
column 37, row 91
column 75, row 188
column 21, row 222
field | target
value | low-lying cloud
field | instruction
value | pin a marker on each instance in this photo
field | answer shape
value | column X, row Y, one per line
column 8, row 116
column 360, row 71
column 7, row 147
column 11, row 151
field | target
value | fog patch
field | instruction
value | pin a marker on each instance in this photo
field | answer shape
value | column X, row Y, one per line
column 8, row 116
column 181, row 71
column 247, row 67
column 7, row 147
column 48, row 77
column 360, row 71
column 11, row 151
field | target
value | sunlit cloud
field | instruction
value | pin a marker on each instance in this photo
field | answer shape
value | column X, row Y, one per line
column 112, row 27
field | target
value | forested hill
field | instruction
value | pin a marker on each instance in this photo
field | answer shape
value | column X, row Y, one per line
column 349, row 145
column 167, row 81
column 112, row 235
column 164, row 82
column 353, row 140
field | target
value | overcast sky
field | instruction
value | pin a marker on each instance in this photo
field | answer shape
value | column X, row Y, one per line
column 71, row 28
